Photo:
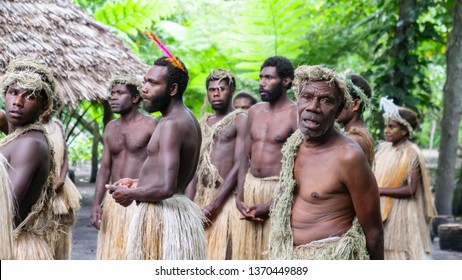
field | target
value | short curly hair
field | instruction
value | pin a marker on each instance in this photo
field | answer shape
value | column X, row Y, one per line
column 284, row 67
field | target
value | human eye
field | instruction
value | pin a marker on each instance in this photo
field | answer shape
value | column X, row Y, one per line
column 31, row 96
column 326, row 100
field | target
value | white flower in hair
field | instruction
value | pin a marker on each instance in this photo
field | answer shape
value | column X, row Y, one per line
column 389, row 107
column 391, row 111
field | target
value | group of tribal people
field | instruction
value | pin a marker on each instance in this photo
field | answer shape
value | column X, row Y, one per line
column 279, row 180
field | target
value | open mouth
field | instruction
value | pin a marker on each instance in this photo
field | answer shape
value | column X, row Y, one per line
column 312, row 124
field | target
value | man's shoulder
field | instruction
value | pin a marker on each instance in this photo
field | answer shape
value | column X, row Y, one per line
column 32, row 141
column 149, row 119
column 346, row 147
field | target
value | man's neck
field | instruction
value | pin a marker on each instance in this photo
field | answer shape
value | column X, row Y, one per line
column 130, row 116
column 356, row 121
column 323, row 140
column 280, row 103
column 172, row 106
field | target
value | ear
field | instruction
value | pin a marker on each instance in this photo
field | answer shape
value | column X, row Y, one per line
column 173, row 89
column 286, row 82
column 136, row 99
column 356, row 105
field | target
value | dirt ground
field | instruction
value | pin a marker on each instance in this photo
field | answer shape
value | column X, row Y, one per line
column 85, row 236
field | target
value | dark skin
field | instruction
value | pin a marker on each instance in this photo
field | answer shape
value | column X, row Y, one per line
column 3, row 122
column 27, row 173
column 125, row 140
column 227, row 148
column 398, row 134
column 335, row 182
column 269, row 125
column 351, row 117
column 173, row 151
column 242, row 103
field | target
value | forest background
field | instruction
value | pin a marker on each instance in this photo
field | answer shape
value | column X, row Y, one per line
column 400, row 46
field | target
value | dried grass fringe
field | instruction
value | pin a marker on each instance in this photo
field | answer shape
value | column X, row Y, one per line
column 281, row 239
column 68, row 199
column 113, row 234
column 350, row 246
column 6, row 213
column 251, row 239
column 171, row 229
column 207, row 174
column 369, row 143
column 218, row 234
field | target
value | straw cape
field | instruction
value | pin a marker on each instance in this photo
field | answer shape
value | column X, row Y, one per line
column 82, row 54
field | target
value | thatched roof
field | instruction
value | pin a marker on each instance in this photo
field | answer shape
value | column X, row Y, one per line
column 82, row 53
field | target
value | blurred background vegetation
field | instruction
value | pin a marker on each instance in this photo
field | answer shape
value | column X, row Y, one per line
column 398, row 45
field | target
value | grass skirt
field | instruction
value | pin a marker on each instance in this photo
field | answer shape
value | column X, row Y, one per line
column 171, row 229
column 6, row 213
column 112, row 237
column 66, row 204
column 29, row 246
column 251, row 239
column 218, row 234
column 350, row 246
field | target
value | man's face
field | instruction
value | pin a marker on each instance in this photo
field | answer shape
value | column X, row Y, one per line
column 242, row 103
column 155, row 92
column 317, row 108
column 271, row 86
column 22, row 107
column 345, row 116
column 121, row 99
column 219, row 95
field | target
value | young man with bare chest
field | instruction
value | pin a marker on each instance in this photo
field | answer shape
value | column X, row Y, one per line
column 165, row 217
column 125, row 140
column 28, row 87
column 269, row 125
column 222, row 145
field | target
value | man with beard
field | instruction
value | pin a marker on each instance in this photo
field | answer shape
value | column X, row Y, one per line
column 328, row 204
column 165, row 217
column 124, row 151
column 269, row 125
column 216, row 177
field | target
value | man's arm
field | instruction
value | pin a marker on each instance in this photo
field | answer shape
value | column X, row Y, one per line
column 191, row 188
column 230, row 181
column 363, row 190
column 102, row 178
column 244, row 165
column 161, row 184
column 24, row 162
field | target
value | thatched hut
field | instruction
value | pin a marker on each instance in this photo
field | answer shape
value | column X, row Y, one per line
column 82, row 53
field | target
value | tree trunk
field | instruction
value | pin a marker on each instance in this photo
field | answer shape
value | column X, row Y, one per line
column 94, row 152
column 108, row 114
column 445, row 175
column 401, row 47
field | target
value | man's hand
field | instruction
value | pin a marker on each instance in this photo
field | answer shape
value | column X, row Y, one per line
column 96, row 214
column 127, row 182
column 120, row 194
column 257, row 213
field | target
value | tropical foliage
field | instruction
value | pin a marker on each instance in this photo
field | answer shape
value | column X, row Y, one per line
column 398, row 45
